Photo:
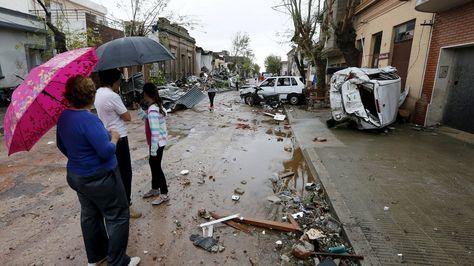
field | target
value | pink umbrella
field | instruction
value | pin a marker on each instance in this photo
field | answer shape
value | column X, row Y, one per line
column 37, row 103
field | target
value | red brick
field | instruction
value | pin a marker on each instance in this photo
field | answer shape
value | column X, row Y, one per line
column 452, row 27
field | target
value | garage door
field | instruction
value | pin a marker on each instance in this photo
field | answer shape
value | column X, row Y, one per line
column 459, row 109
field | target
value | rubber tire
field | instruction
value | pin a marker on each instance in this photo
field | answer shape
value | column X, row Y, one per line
column 293, row 99
column 248, row 100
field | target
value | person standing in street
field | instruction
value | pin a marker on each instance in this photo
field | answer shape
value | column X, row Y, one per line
column 92, row 173
column 113, row 113
column 211, row 92
column 156, row 136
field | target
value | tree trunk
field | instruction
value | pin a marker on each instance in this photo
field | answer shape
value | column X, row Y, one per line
column 59, row 36
column 300, row 66
column 346, row 39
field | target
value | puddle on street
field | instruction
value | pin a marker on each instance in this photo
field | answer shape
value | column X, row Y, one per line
column 302, row 175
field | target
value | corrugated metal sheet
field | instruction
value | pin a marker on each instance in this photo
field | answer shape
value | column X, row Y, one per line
column 191, row 98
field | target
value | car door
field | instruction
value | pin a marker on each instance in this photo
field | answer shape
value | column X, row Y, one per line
column 283, row 87
column 268, row 85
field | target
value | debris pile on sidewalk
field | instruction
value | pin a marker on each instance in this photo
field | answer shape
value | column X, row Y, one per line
column 320, row 237
column 310, row 234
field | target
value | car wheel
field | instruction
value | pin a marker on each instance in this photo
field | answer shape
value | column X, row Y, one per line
column 249, row 100
column 293, row 99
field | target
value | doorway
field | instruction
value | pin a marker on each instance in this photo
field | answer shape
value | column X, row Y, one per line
column 459, row 109
column 377, row 43
column 402, row 48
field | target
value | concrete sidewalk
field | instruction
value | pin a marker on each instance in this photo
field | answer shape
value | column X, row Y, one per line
column 425, row 179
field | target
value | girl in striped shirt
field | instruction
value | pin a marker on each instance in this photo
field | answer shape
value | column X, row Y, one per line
column 156, row 136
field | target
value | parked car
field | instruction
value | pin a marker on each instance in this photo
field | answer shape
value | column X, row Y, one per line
column 289, row 88
column 368, row 96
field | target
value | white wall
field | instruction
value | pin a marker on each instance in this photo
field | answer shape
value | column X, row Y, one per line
column 17, row 5
column 13, row 54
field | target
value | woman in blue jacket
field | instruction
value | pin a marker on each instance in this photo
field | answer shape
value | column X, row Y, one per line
column 92, row 173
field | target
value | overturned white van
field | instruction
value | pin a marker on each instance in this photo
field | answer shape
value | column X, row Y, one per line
column 368, row 96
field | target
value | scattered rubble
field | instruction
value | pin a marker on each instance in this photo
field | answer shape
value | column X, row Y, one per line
column 319, row 139
column 239, row 191
column 235, row 198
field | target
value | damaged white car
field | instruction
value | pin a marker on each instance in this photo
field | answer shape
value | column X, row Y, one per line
column 368, row 96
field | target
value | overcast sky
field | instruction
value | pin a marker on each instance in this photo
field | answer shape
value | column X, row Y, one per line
column 219, row 20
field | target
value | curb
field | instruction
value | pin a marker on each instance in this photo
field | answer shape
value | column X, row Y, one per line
column 351, row 230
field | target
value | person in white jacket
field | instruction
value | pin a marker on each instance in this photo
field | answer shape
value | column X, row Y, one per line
column 157, row 137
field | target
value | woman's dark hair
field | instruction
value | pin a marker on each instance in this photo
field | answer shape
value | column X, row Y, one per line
column 80, row 91
column 152, row 91
column 109, row 77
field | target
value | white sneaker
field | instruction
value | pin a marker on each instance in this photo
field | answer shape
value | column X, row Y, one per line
column 134, row 261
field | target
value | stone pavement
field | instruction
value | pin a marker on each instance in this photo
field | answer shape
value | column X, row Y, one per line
column 405, row 192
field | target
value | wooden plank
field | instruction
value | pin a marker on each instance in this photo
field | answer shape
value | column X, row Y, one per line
column 232, row 224
column 293, row 222
column 286, row 227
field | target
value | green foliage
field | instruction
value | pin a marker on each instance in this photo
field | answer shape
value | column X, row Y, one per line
column 76, row 40
column 273, row 64
column 221, row 84
column 256, row 69
column 158, row 79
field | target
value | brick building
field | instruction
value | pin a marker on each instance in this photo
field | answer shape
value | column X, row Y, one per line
column 447, row 95
column 178, row 41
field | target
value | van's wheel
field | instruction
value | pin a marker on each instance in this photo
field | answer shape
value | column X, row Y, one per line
column 331, row 123
column 249, row 100
column 293, row 99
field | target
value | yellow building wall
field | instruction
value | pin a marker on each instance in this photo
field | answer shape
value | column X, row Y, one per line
column 383, row 16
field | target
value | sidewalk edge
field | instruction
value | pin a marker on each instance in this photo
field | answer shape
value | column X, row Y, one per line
column 351, row 229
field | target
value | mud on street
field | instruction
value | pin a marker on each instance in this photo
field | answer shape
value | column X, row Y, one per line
column 39, row 214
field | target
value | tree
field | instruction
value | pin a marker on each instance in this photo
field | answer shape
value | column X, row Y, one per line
column 143, row 15
column 273, row 64
column 256, row 69
column 241, row 45
column 59, row 36
column 241, row 54
column 344, row 32
column 306, row 18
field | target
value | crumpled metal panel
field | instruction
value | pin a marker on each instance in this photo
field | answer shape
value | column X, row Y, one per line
column 191, row 98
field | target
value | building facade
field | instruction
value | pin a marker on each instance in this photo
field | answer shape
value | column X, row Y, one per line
column 83, row 21
column 178, row 41
column 203, row 60
column 393, row 33
column 22, row 45
column 447, row 96
column 331, row 52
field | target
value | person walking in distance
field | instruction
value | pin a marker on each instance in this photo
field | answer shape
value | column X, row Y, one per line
column 156, row 136
column 113, row 113
column 92, row 173
column 211, row 92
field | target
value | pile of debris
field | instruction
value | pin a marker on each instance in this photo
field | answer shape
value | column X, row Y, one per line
column 310, row 234
column 320, row 237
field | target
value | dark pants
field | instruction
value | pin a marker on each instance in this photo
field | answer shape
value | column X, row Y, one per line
column 122, row 152
column 211, row 98
column 102, row 197
column 158, row 180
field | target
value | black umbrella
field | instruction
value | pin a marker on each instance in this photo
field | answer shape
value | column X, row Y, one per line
column 130, row 51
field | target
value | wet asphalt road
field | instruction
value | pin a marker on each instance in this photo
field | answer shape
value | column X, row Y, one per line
column 39, row 214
